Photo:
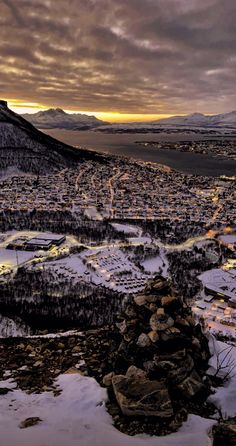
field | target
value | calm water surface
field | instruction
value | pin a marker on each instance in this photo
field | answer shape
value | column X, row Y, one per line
column 125, row 145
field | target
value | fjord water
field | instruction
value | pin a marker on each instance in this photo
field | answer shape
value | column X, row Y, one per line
column 125, row 145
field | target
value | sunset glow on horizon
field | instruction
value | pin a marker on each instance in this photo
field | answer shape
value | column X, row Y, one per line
column 22, row 107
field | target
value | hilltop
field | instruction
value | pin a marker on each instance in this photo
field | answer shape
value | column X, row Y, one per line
column 24, row 148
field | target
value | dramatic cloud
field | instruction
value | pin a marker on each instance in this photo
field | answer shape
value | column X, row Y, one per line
column 145, row 56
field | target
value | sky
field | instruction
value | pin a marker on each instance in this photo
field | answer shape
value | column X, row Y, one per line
column 119, row 59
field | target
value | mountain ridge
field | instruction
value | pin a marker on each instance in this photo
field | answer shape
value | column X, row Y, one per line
column 58, row 118
column 199, row 119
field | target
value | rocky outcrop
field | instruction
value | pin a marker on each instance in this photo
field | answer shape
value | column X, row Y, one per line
column 139, row 396
column 159, row 367
column 224, row 433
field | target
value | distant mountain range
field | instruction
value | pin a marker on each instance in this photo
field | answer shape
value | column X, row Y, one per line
column 24, row 148
column 58, row 118
column 200, row 120
column 195, row 120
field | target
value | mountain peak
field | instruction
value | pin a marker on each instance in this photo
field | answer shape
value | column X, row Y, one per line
column 196, row 114
column 58, row 118
column 55, row 111
column 3, row 103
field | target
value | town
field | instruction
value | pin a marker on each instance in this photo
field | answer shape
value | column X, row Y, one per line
column 123, row 190
column 219, row 148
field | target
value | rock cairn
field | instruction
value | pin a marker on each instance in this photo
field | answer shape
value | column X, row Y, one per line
column 159, row 367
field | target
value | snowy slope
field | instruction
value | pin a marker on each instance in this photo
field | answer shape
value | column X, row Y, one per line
column 57, row 118
column 26, row 149
column 77, row 417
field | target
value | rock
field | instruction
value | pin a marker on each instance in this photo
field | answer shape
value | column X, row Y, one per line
column 168, row 301
column 38, row 364
column 191, row 320
column 107, row 379
column 4, row 390
column 161, row 322
column 154, row 336
column 196, row 343
column 140, row 300
column 165, row 366
column 73, row 371
column 142, row 397
column 169, row 334
column 160, row 311
column 76, row 349
column 122, row 327
column 28, row 422
column 191, row 386
column 182, row 371
column 149, row 366
column 135, row 372
column 130, row 312
column 153, row 308
column 143, row 341
column 130, row 336
column 182, row 322
column 60, row 346
column 29, row 348
column 224, row 433
column 152, row 298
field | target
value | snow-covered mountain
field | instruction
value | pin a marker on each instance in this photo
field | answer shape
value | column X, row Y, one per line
column 200, row 120
column 195, row 120
column 24, row 148
column 58, row 118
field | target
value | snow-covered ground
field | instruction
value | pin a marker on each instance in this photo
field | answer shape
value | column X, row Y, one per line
column 127, row 229
column 224, row 359
column 78, row 417
column 228, row 239
column 108, row 267
column 9, row 260
column 157, row 264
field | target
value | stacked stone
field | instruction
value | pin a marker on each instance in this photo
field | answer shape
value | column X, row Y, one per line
column 160, row 365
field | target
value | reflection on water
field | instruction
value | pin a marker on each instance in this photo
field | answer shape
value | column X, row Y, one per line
column 124, row 145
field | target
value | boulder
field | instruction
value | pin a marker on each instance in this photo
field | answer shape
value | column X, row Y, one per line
column 107, row 379
column 152, row 298
column 183, row 370
column 224, row 433
column 141, row 397
column 140, row 300
column 135, row 372
column 153, row 336
column 161, row 322
column 28, row 422
column 143, row 340
column 191, row 386
column 167, row 301
column 153, row 307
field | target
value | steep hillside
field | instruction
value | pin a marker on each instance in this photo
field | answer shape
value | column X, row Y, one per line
column 24, row 148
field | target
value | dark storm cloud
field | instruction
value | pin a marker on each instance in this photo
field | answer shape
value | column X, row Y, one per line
column 146, row 56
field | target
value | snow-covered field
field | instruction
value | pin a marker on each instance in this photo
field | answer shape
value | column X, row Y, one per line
column 9, row 257
column 127, row 229
column 78, row 417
